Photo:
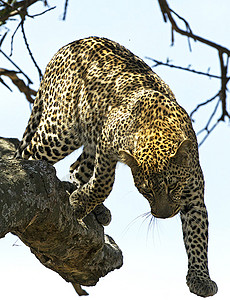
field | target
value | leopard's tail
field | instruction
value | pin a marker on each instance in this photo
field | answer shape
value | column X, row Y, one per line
column 31, row 128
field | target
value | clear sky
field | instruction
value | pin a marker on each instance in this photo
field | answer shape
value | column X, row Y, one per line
column 155, row 262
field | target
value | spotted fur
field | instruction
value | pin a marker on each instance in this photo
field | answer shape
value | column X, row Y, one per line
column 98, row 94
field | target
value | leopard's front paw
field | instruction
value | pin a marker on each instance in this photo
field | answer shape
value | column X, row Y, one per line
column 78, row 206
column 103, row 214
column 201, row 285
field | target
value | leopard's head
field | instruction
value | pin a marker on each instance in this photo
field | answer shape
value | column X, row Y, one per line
column 161, row 178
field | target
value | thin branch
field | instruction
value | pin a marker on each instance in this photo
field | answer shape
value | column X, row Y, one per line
column 212, row 115
column 65, row 10
column 158, row 63
column 6, row 85
column 12, row 38
column 188, row 28
column 208, row 133
column 203, row 104
column 42, row 13
column 30, row 53
column 3, row 37
column 13, row 63
column 206, row 128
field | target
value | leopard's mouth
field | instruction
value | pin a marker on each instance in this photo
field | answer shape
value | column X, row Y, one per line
column 176, row 211
column 165, row 212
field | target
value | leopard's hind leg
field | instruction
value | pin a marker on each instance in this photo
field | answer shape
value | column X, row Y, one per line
column 80, row 173
column 48, row 136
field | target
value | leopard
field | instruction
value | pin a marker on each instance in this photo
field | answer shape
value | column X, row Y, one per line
column 98, row 95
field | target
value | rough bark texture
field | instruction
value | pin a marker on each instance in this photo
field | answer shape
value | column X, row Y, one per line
column 34, row 205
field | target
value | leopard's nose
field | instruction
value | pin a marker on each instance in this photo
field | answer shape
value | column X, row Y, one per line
column 163, row 211
column 162, row 214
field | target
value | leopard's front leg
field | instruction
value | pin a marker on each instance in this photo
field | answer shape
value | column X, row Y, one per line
column 97, row 189
column 195, row 232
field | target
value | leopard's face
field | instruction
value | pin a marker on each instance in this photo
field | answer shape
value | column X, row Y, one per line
column 162, row 187
column 163, row 190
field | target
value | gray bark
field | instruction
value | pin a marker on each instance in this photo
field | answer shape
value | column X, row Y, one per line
column 34, row 205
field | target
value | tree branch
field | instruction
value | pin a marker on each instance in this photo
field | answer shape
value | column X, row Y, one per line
column 203, row 104
column 16, row 66
column 65, row 10
column 16, row 8
column 167, row 64
column 30, row 52
column 34, row 205
column 8, row 9
column 19, row 83
column 224, row 81
column 206, row 128
column 168, row 14
column 42, row 13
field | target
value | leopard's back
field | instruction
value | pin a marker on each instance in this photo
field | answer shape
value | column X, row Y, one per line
column 82, row 83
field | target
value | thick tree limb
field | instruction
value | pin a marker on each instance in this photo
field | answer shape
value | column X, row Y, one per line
column 34, row 205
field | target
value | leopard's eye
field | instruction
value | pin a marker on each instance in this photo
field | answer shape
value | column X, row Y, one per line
column 148, row 193
column 145, row 185
column 145, row 190
column 173, row 186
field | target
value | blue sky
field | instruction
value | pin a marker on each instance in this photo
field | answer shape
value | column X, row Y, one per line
column 155, row 262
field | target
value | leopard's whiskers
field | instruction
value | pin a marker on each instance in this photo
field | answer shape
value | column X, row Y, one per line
column 143, row 216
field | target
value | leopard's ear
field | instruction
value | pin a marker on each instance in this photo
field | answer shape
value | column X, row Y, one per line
column 182, row 153
column 127, row 158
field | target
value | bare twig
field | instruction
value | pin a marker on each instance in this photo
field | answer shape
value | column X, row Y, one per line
column 12, row 39
column 6, row 85
column 14, row 64
column 203, row 104
column 3, row 37
column 65, row 10
column 206, row 128
column 158, row 63
column 30, row 53
column 42, row 13
column 208, row 133
column 79, row 289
